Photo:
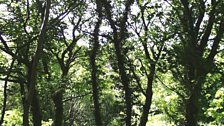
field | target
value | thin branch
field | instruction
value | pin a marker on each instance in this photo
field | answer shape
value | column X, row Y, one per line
column 216, row 42
column 13, row 80
column 125, row 18
column 27, row 17
column 142, row 65
column 5, row 91
column 4, row 42
column 136, row 77
column 208, row 30
column 75, row 97
column 169, row 88
column 200, row 16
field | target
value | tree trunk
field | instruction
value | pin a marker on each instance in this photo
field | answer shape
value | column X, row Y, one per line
column 192, row 104
column 118, row 37
column 25, row 113
column 95, row 86
column 148, row 100
column 125, row 82
column 25, row 105
column 37, row 56
column 35, row 105
column 97, row 114
column 191, row 111
column 95, row 90
column 58, row 102
column 32, row 98
column 36, row 110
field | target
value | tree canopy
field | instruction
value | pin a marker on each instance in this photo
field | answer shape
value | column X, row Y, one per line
column 112, row 62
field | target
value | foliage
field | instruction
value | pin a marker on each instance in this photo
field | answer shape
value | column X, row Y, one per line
column 111, row 62
column 216, row 109
column 13, row 117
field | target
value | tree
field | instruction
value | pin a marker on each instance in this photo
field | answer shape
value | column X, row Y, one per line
column 95, row 87
column 111, row 62
column 195, row 53
column 119, row 36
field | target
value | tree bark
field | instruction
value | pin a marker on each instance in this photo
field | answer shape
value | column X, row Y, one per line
column 35, row 106
column 125, row 82
column 94, row 77
column 38, row 53
column 32, row 98
column 58, row 102
column 25, row 113
column 197, row 65
column 118, row 37
column 36, row 110
column 191, row 111
column 148, row 100
column 25, row 105
column 192, row 104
